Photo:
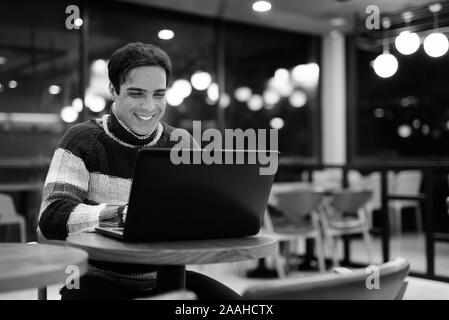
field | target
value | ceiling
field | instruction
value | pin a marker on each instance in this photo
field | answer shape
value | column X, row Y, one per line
column 308, row 16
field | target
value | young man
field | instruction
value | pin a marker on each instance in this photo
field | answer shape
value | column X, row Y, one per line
column 90, row 175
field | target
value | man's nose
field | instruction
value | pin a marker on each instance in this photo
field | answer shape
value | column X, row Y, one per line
column 148, row 104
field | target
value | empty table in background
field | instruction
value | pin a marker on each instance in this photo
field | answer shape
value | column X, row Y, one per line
column 25, row 266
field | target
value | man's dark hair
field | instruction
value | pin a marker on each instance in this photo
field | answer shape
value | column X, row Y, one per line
column 133, row 55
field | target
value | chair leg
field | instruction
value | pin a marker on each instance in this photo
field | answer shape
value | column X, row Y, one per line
column 368, row 245
column 7, row 228
column 398, row 214
column 42, row 293
column 330, row 242
column 369, row 216
column 397, row 225
column 282, row 260
column 418, row 213
column 294, row 247
column 320, row 253
column 279, row 263
column 333, row 251
column 319, row 242
column 22, row 230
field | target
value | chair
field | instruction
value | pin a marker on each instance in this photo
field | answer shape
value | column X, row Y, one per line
column 328, row 179
column 348, row 286
column 336, row 221
column 9, row 216
column 407, row 183
column 373, row 183
column 332, row 178
column 354, row 178
column 299, row 220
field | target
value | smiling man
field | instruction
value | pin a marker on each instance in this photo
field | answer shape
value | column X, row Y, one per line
column 141, row 104
column 90, row 175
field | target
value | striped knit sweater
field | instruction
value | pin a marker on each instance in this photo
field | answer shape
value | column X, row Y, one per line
column 89, row 182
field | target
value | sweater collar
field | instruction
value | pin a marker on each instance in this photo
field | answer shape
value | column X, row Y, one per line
column 115, row 128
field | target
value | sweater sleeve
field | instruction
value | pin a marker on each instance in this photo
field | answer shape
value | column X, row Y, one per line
column 64, row 208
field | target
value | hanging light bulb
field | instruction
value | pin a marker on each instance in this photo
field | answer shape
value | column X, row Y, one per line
column 166, row 34
column 436, row 43
column 174, row 96
column 271, row 97
column 183, row 87
column 201, row 80
column 243, row 94
column 298, row 99
column 386, row 64
column 277, row 123
column 213, row 93
column 78, row 104
column 255, row 103
column 261, row 6
column 224, row 101
column 407, row 42
column 68, row 114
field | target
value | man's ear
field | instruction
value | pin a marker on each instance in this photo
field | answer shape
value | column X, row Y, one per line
column 112, row 91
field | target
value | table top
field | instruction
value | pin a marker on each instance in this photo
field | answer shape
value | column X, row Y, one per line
column 287, row 186
column 327, row 190
column 24, row 266
column 174, row 253
column 280, row 187
column 22, row 186
column 290, row 186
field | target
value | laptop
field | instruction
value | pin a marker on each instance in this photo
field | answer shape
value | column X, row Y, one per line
column 171, row 202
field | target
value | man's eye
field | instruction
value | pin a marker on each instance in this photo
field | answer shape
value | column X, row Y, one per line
column 136, row 95
column 160, row 95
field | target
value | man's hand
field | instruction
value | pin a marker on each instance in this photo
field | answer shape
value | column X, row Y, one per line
column 118, row 220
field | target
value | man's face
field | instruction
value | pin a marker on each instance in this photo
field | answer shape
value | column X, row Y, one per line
column 141, row 102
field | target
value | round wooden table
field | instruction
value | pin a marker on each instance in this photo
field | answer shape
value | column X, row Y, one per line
column 24, row 266
column 171, row 257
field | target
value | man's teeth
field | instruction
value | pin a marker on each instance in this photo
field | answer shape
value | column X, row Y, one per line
column 144, row 117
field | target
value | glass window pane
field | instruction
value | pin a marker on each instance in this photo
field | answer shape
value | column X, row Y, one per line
column 266, row 93
column 39, row 64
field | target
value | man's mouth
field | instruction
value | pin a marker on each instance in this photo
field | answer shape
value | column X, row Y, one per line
column 144, row 118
